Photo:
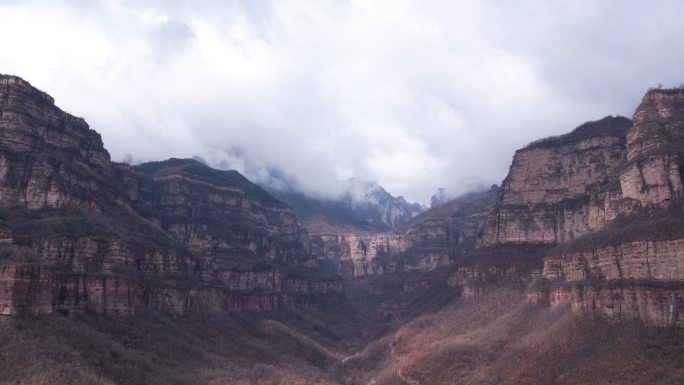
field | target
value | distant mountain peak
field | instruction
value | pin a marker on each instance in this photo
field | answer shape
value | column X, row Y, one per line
column 375, row 205
column 363, row 205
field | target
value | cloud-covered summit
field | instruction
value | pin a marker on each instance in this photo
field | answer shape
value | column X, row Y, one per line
column 413, row 94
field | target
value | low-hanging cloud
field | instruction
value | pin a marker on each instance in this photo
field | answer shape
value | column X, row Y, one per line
column 416, row 95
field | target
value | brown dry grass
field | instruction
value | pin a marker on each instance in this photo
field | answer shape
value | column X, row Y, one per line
column 494, row 339
column 155, row 349
column 499, row 339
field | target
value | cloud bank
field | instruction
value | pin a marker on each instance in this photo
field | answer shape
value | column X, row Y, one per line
column 415, row 95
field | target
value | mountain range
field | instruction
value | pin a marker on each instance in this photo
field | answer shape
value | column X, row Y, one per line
column 172, row 272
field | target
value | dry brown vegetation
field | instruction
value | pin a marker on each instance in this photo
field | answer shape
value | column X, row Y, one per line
column 499, row 339
column 608, row 126
column 662, row 225
column 155, row 349
column 432, row 337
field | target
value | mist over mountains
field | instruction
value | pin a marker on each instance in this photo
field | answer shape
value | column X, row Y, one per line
column 325, row 192
column 361, row 206
column 174, row 272
column 414, row 95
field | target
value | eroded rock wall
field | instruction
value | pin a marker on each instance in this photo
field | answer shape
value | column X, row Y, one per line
column 438, row 237
column 212, row 209
column 609, row 194
column 561, row 188
column 646, row 259
column 49, row 158
column 177, row 236
column 655, row 150
column 39, row 289
column 653, row 304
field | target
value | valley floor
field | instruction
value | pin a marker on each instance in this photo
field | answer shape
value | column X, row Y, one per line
column 419, row 339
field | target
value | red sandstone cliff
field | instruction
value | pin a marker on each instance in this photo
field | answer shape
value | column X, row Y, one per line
column 560, row 188
column 655, row 150
column 609, row 197
column 439, row 237
column 49, row 158
column 212, row 209
column 180, row 238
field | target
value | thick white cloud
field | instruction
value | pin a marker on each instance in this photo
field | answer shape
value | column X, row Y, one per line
column 413, row 94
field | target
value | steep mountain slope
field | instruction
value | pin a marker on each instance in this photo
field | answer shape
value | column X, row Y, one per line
column 576, row 276
column 606, row 201
column 174, row 236
column 172, row 272
column 49, row 158
column 322, row 215
column 438, row 237
column 362, row 206
column 498, row 338
column 211, row 209
column 560, row 188
column 655, row 150
column 634, row 266
column 376, row 206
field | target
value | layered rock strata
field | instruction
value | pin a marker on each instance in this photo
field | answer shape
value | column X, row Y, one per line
column 639, row 259
column 178, row 236
column 49, row 158
column 212, row 209
column 561, row 187
column 655, row 150
column 610, row 195
column 36, row 289
column 438, row 237
column 654, row 304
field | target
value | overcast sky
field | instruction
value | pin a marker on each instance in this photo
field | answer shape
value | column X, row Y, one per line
column 413, row 94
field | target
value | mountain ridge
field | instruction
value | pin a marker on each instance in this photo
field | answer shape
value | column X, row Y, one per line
column 174, row 272
column 362, row 206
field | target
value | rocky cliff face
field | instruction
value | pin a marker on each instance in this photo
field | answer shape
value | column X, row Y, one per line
column 635, row 260
column 655, row 150
column 632, row 270
column 562, row 187
column 654, row 304
column 212, row 209
column 362, row 255
column 178, row 236
column 609, row 195
column 35, row 289
column 438, row 237
column 49, row 158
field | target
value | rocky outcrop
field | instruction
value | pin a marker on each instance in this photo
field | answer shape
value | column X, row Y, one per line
column 655, row 150
column 36, row 289
column 110, row 277
column 438, row 237
column 640, row 259
column 466, row 275
column 212, row 209
column 364, row 255
column 358, row 255
column 653, row 303
column 562, row 187
column 636, row 268
column 49, row 158
column 609, row 195
column 76, row 236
